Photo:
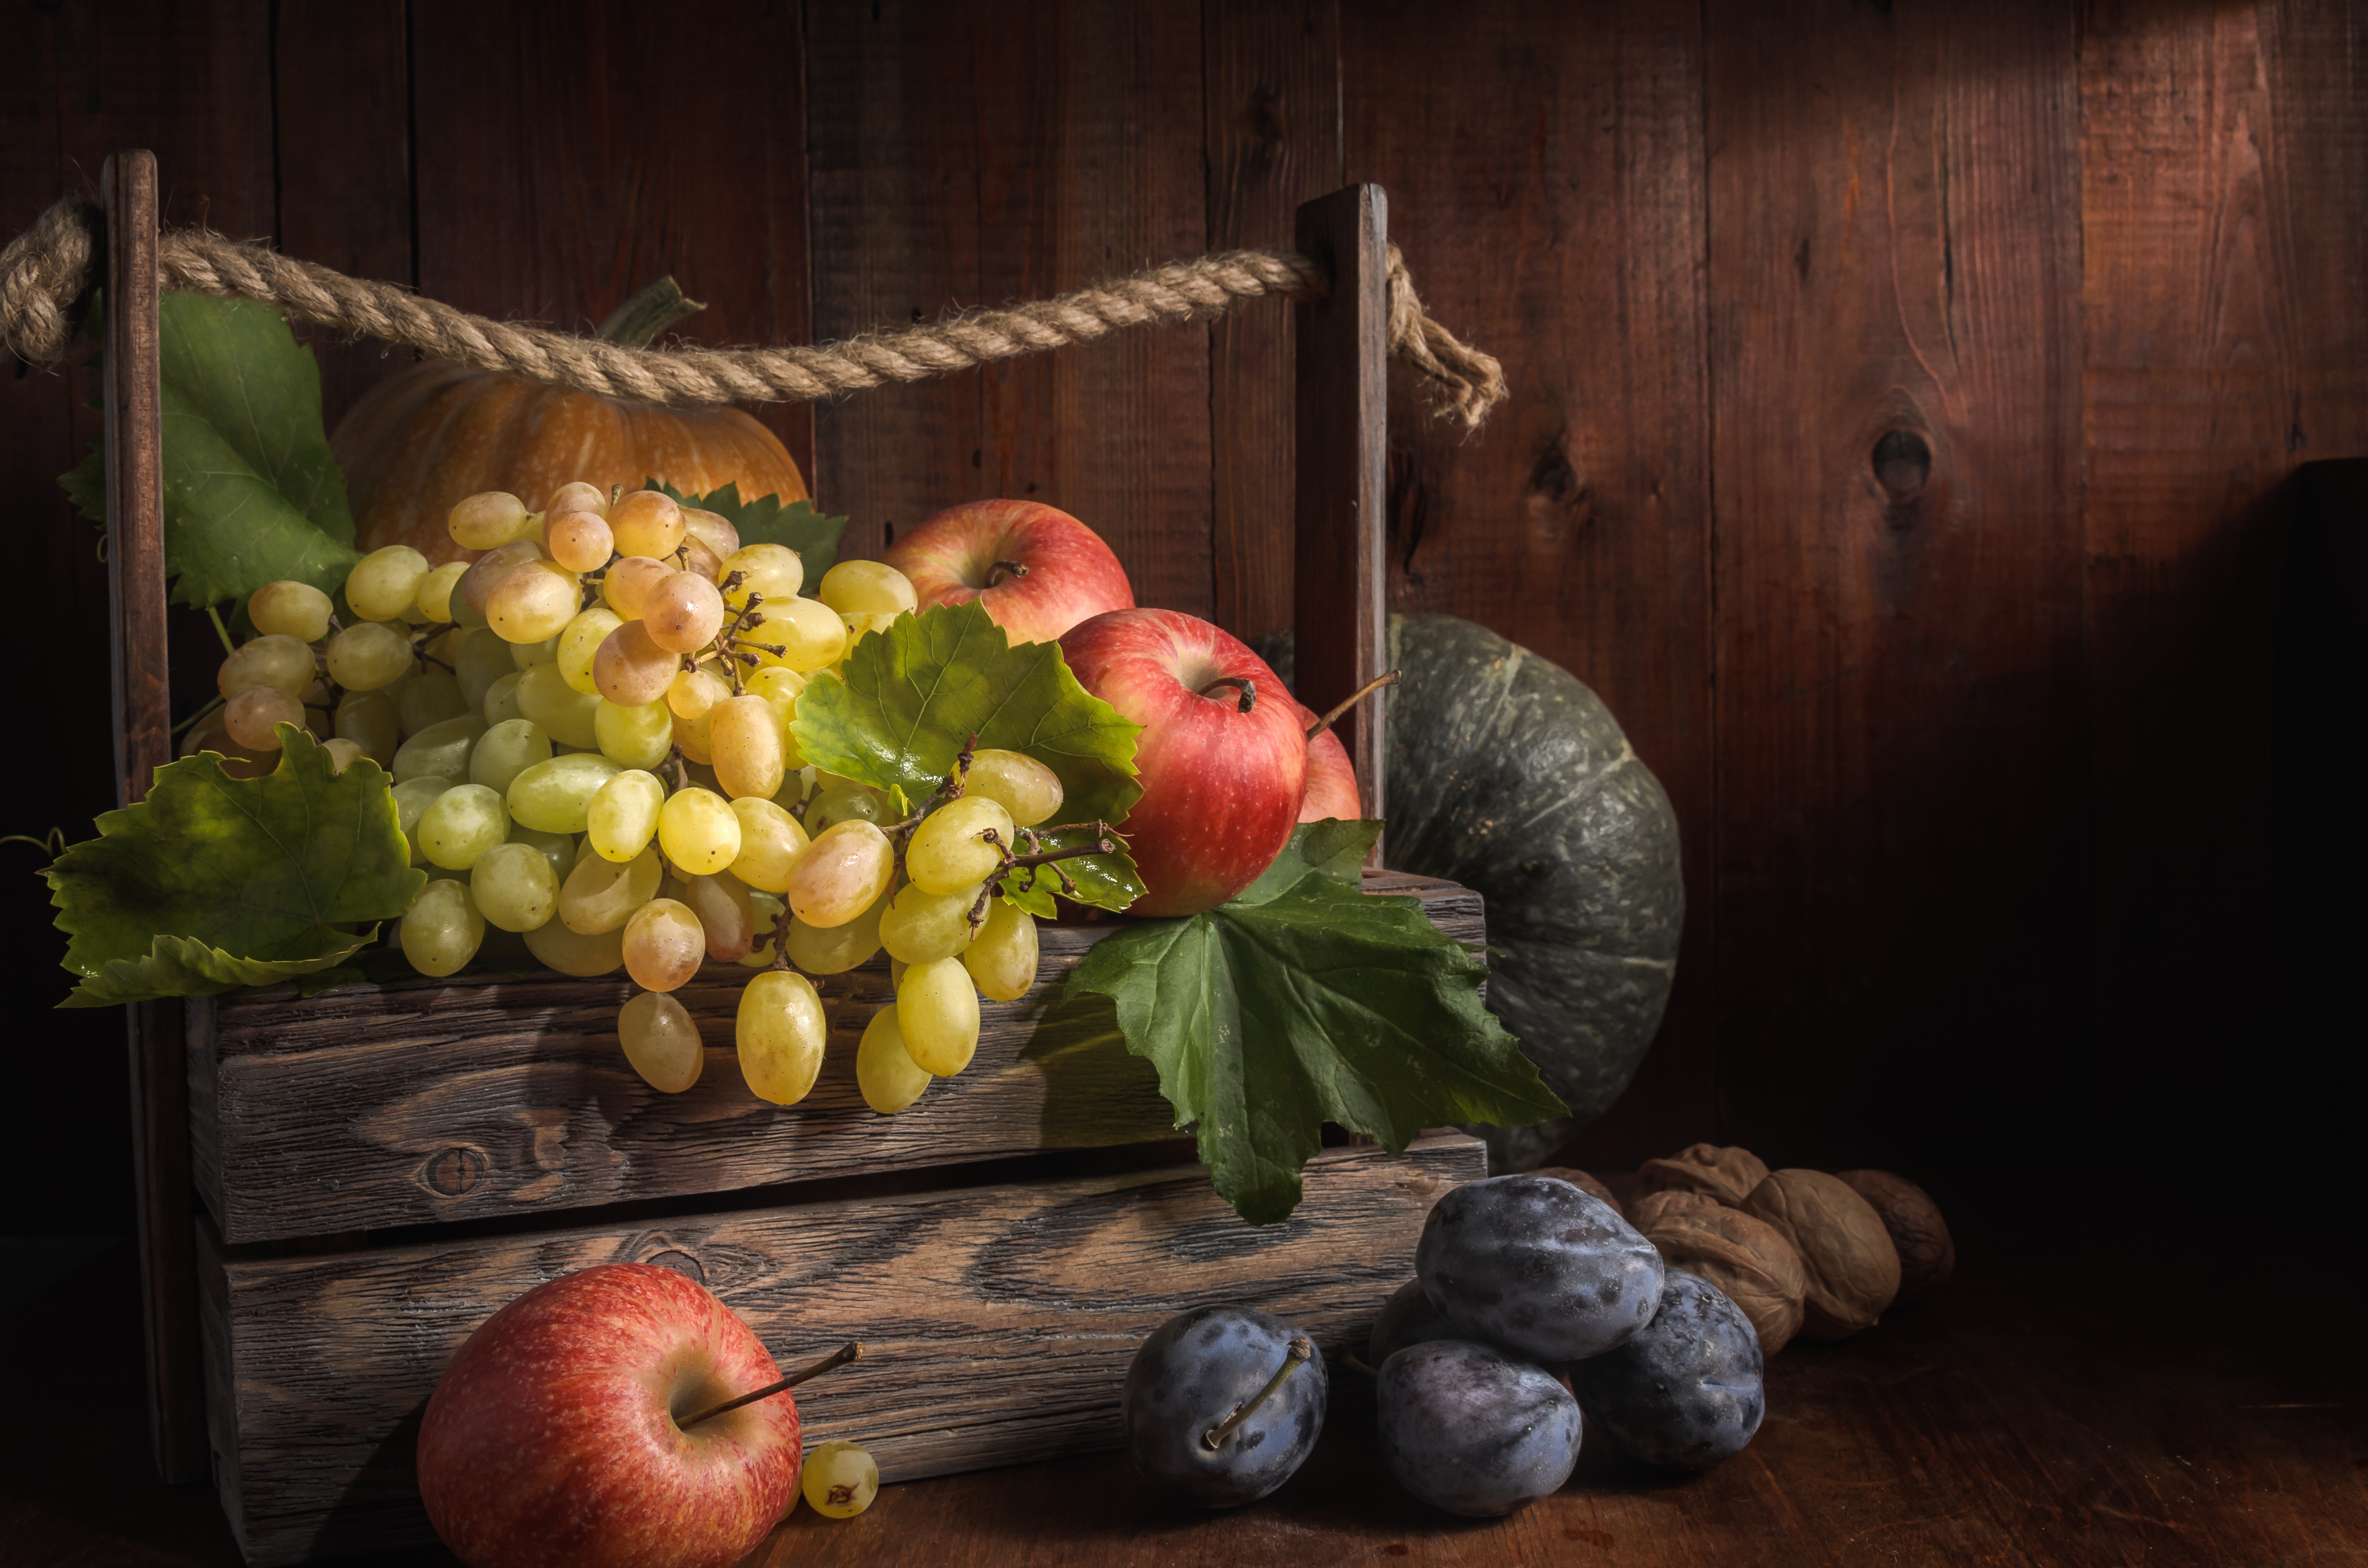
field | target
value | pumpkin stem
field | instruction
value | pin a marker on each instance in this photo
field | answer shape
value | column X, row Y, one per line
column 639, row 321
column 1349, row 701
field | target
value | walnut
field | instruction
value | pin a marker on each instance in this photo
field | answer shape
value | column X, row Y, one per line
column 1852, row 1268
column 1747, row 1258
column 1927, row 1254
column 1727, row 1174
column 1583, row 1182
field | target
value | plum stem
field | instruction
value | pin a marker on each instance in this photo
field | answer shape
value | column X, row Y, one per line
column 1349, row 1360
column 1249, row 689
column 1349, row 701
column 1014, row 567
column 1297, row 1354
column 848, row 1352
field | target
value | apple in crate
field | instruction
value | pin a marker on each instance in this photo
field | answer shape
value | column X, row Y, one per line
column 553, row 1438
column 1038, row 570
column 1223, row 755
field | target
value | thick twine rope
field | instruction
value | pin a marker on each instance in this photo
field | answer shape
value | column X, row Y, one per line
column 47, row 268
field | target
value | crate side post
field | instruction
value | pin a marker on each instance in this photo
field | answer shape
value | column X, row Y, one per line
column 1341, row 617
column 131, row 396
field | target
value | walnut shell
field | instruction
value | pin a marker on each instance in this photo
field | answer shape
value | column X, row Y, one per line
column 1583, row 1182
column 1852, row 1268
column 1747, row 1258
column 1927, row 1254
column 1649, row 1208
column 1727, row 1174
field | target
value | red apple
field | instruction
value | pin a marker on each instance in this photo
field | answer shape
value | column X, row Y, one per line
column 1331, row 778
column 1224, row 765
column 1067, row 573
column 551, row 1438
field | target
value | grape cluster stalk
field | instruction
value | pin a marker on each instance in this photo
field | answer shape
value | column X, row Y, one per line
column 588, row 723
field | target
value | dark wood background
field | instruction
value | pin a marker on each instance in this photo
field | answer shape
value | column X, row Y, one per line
column 1970, row 754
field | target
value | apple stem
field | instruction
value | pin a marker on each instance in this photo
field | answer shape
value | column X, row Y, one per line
column 1249, row 689
column 1014, row 567
column 848, row 1352
column 1349, row 701
column 1298, row 1353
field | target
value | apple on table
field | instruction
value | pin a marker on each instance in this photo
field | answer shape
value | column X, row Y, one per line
column 1038, row 570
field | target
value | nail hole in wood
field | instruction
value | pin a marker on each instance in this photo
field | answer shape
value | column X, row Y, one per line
column 1902, row 463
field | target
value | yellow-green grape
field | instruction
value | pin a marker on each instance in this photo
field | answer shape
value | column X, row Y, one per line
column 690, row 739
column 480, row 659
column 534, row 602
column 440, row 748
column 252, row 717
column 771, row 570
column 694, row 693
column 485, row 573
column 429, row 697
column 1002, row 961
column 555, row 795
column 581, row 641
column 484, row 520
column 578, row 495
column 781, row 1032
column 443, row 931
column 782, row 686
column 288, row 609
column 581, row 541
column 558, row 848
column 949, row 851
column 682, row 612
column 663, row 944
column 864, row 624
column 884, row 1070
column 937, row 1008
column 765, row 911
column 770, row 842
column 601, row 896
column 564, row 713
column 712, row 529
column 846, row 801
column 433, row 600
column 412, row 798
column 697, row 831
column 526, row 655
column 721, row 902
column 385, row 583
column 280, row 662
column 1016, row 781
column 636, row 737
column 842, row 873
column 506, row 750
column 627, row 585
column 461, row 825
column 835, row 950
column 808, row 631
column 840, row 1479
column 515, row 887
column 646, row 522
column 368, row 656
column 661, row 1040
column 501, row 699
column 624, row 815
column 867, row 587
column 920, row 925
column 570, row 952
column 343, row 753
column 743, row 736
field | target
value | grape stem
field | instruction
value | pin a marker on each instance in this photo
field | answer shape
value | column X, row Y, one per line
column 1349, row 701
column 221, row 630
column 1249, row 689
column 949, row 789
column 1101, row 844
column 851, row 1351
column 782, row 935
column 674, row 764
column 201, row 713
column 1297, row 1354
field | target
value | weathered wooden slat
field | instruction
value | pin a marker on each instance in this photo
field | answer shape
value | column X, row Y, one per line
column 998, row 1321
column 368, row 1107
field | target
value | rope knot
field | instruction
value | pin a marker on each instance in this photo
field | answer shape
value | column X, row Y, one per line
column 42, row 272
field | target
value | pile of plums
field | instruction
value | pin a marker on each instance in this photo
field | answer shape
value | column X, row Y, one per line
column 1534, row 1302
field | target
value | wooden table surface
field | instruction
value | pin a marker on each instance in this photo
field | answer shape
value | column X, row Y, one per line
column 2043, row 1408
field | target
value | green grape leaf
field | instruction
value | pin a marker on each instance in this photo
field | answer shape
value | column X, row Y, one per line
column 1106, row 881
column 903, row 703
column 214, row 882
column 763, row 519
column 1306, row 1000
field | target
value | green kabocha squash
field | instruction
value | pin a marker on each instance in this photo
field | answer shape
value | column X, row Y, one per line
column 1507, row 775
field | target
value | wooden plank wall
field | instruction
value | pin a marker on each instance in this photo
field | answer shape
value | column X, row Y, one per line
column 1968, row 746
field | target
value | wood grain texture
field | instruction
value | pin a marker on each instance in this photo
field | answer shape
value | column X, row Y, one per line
column 365, row 1109
column 1544, row 165
column 997, row 1322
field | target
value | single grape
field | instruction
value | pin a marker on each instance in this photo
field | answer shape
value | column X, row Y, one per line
column 501, row 699
column 488, row 569
column 697, row 831
column 555, row 946
column 842, row 873
column 534, row 602
column 368, row 655
column 429, row 697
column 630, row 670
column 1002, row 960
column 442, row 929
column 846, row 801
column 484, row 520
column 1534, row 1265
column 725, row 916
column 920, row 925
column 412, row 798
column 524, row 657
column 513, row 887
column 579, row 644
column 288, row 608
column 937, row 1008
column 435, row 598
column 835, row 950
column 1469, row 1429
column 692, row 694
column 772, row 571
column 564, row 713
column 771, row 842
column 624, row 815
column 368, row 720
column 599, row 895
column 713, row 531
column 252, row 717
column 950, row 850
column 558, row 848
column 1684, row 1392
column 780, row 1033
column 343, row 753
column 646, row 522
column 1018, row 782
column 626, row 587
column 480, row 659
column 690, row 739
column 663, row 944
column 578, row 495
column 743, row 734
column 581, row 541
column 810, row 635
column 634, row 737
column 863, row 624
column 385, row 583
column 280, row 662
column 1214, row 1364
column 1407, row 1318
column 506, row 750
column 555, row 796
column 840, row 1479
column 661, row 1039
column 682, row 612
column 781, row 687
column 440, row 748
column 856, row 587
column 884, row 1070
column 461, row 825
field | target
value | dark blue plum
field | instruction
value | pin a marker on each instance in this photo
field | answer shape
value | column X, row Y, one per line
column 1538, row 1267
column 1686, row 1391
column 1195, row 1371
column 1407, row 1318
column 1469, row 1429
